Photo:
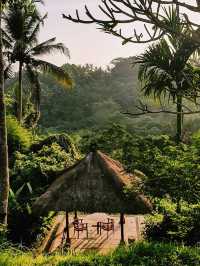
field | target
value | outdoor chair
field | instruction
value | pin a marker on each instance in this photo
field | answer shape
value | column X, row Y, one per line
column 77, row 220
column 79, row 226
column 106, row 226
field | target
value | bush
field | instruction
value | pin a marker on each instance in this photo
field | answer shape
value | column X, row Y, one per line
column 19, row 138
column 63, row 140
column 140, row 254
column 40, row 168
column 32, row 173
column 183, row 227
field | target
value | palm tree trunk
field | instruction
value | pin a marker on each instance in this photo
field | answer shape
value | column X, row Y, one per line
column 179, row 119
column 20, row 95
column 178, row 205
column 4, row 173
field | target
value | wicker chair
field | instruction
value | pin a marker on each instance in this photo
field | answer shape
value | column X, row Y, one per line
column 107, row 226
column 79, row 226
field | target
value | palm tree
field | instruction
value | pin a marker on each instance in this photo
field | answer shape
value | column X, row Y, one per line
column 4, row 174
column 4, row 171
column 22, row 25
column 162, row 76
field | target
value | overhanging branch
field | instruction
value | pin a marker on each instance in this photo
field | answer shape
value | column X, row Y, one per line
column 144, row 110
column 149, row 12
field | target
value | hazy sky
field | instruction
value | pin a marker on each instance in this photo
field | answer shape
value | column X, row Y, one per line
column 86, row 43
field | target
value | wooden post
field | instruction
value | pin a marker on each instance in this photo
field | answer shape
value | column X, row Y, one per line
column 75, row 215
column 122, row 228
column 67, row 230
column 137, row 226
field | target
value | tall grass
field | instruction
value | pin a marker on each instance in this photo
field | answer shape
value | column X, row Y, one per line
column 140, row 254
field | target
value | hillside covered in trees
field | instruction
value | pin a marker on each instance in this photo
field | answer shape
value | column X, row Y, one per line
column 121, row 140
column 100, row 97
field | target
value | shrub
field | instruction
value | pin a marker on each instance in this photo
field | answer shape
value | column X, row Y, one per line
column 140, row 254
column 32, row 173
column 63, row 140
column 183, row 227
column 40, row 168
column 19, row 138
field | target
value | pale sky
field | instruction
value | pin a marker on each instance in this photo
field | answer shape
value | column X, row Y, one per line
column 86, row 43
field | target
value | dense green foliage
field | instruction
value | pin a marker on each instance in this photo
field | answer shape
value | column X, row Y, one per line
column 22, row 23
column 148, row 254
column 166, row 168
column 165, row 74
column 169, row 170
column 42, row 162
column 169, row 226
column 99, row 97
column 91, row 115
column 19, row 138
column 32, row 172
column 40, row 168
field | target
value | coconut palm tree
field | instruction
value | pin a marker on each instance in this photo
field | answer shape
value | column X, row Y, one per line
column 161, row 75
column 22, row 24
column 4, row 174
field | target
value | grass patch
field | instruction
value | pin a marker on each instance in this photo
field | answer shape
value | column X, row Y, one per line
column 140, row 254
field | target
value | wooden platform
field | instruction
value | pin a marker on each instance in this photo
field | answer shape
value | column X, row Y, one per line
column 133, row 227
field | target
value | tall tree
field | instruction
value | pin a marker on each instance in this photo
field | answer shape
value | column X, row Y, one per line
column 159, row 76
column 4, row 173
column 23, row 23
column 159, row 17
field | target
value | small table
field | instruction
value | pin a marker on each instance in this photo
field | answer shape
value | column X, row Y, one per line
column 107, row 226
column 98, row 226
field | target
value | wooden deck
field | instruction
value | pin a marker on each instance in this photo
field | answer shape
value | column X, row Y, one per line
column 101, row 243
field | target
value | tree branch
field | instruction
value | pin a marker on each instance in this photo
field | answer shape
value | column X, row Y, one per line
column 149, row 12
column 145, row 111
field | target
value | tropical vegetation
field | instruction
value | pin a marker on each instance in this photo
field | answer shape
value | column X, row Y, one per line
column 25, row 50
column 139, row 254
column 45, row 129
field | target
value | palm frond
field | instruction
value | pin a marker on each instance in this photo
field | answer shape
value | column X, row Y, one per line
column 39, row 1
column 36, row 22
column 172, row 20
column 20, row 21
column 14, row 22
column 7, row 44
column 57, row 72
column 7, row 40
column 155, row 72
column 8, row 72
column 157, row 58
column 48, row 47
